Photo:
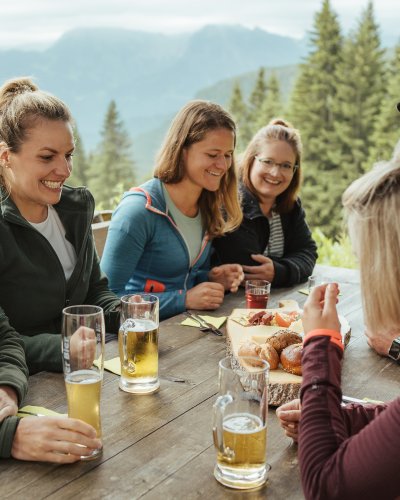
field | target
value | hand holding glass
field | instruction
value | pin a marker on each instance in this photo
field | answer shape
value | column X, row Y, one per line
column 82, row 343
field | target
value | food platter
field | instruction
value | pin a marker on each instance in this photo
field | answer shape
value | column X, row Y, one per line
column 283, row 386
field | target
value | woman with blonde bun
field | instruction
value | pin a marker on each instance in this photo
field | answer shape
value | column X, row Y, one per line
column 353, row 451
column 47, row 261
column 274, row 242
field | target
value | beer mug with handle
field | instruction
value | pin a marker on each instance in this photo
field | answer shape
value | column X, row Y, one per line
column 138, row 343
column 83, row 343
column 240, row 423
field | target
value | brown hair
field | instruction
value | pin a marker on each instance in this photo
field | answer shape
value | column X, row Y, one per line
column 372, row 206
column 21, row 104
column 276, row 130
column 189, row 126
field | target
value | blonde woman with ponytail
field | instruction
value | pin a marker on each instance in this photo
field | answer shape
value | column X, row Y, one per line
column 47, row 261
column 274, row 241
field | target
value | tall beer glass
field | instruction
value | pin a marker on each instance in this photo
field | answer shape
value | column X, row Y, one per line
column 240, row 423
column 82, row 343
column 138, row 343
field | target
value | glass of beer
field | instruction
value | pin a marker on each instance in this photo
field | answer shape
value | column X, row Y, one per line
column 257, row 293
column 82, row 343
column 240, row 423
column 138, row 343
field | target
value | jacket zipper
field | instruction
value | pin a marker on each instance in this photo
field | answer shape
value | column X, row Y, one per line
column 165, row 214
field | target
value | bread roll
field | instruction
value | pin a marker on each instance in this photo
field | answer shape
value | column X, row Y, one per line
column 283, row 338
column 269, row 354
column 251, row 349
column 291, row 358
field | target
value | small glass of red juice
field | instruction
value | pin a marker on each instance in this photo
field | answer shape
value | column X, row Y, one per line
column 257, row 294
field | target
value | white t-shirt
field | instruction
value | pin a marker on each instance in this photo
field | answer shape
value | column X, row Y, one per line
column 53, row 230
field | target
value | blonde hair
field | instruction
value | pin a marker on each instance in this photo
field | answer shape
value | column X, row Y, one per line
column 276, row 130
column 21, row 104
column 372, row 207
column 220, row 209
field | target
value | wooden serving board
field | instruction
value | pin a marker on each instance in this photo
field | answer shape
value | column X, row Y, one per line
column 283, row 386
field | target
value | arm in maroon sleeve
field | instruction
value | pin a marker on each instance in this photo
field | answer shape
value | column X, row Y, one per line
column 334, row 461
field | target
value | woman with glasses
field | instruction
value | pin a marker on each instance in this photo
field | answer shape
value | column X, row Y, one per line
column 273, row 242
column 160, row 235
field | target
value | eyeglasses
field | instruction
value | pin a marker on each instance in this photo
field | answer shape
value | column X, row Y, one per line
column 285, row 167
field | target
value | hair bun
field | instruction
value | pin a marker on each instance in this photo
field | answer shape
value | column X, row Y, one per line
column 17, row 86
column 280, row 121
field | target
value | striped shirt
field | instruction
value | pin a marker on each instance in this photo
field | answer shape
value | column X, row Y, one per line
column 276, row 241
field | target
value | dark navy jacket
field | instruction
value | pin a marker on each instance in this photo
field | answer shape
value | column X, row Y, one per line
column 300, row 250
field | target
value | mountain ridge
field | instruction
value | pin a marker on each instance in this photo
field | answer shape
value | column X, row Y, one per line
column 149, row 75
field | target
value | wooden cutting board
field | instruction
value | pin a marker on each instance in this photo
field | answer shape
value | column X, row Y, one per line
column 283, row 386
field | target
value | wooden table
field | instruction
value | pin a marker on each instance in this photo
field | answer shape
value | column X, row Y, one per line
column 160, row 446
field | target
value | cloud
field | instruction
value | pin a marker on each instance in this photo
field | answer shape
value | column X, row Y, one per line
column 43, row 21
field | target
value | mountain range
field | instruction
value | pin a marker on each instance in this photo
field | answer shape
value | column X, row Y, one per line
column 150, row 75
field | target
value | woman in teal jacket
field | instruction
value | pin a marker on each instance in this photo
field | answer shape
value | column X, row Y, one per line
column 47, row 260
column 160, row 234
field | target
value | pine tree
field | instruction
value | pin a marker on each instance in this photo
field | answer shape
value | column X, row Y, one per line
column 238, row 109
column 386, row 127
column 361, row 87
column 257, row 97
column 311, row 111
column 80, row 169
column 272, row 105
column 112, row 168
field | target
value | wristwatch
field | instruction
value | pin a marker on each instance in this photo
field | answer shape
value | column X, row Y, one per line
column 394, row 351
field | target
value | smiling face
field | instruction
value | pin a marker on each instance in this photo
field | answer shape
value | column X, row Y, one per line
column 37, row 172
column 208, row 160
column 272, row 181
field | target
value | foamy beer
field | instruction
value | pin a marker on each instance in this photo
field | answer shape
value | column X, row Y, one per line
column 82, row 344
column 138, row 343
column 240, row 424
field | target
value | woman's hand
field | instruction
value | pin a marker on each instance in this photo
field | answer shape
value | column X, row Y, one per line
column 289, row 418
column 8, row 402
column 381, row 341
column 83, row 348
column 320, row 308
column 229, row 275
column 53, row 439
column 205, row 296
column 265, row 271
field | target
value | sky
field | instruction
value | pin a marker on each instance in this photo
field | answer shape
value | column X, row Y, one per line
column 38, row 23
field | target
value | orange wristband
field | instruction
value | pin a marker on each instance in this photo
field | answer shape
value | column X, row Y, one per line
column 335, row 337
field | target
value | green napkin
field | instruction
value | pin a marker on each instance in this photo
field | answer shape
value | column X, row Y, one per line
column 39, row 411
column 112, row 365
column 217, row 322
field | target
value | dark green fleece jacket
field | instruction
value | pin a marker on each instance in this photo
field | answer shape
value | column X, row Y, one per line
column 34, row 291
column 13, row 373
column 33, row 288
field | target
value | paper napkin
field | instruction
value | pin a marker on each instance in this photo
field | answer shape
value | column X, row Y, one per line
column 217, row 322
column 305, row 291
column 40, row 411
column 112, row 365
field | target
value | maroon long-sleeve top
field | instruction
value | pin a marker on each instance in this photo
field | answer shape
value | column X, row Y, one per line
column 350, row 452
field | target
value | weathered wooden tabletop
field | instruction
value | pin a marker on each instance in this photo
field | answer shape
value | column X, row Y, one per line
column 160, row 445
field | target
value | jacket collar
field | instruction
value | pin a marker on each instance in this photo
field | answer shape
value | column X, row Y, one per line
column 250, row 205
column 153, row 192
column 72, row 200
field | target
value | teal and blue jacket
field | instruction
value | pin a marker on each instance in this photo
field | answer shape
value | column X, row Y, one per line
column 146, row 252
